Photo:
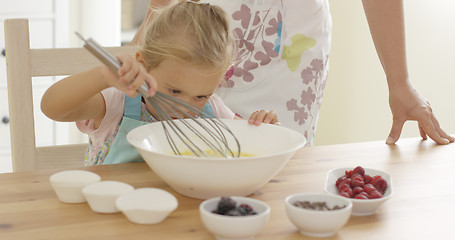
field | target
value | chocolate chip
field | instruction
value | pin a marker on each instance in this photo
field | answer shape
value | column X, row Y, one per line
column 319, row 206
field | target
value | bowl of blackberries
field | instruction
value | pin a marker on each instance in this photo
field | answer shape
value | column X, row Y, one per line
column 234, row 217
column 318, row 214
column 367, row 188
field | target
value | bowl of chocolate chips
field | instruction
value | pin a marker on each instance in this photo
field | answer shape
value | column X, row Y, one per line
column 318, row 214
column 234, row 217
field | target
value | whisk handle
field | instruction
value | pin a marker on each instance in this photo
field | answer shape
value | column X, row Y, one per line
column 108, row 59
column 101, row 53
column 144, row 90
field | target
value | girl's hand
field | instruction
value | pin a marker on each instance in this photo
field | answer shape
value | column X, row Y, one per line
column 263, row 116
column 130, row 76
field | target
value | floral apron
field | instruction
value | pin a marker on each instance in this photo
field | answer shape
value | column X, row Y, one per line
column 283, row 48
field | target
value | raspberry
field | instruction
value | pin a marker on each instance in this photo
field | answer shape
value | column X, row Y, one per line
column 343, row 186
column 380, row 184
column 375, row 194
column 359, row 170
column 362, row 195
column 348, row 191
column 357, row 180
column 346, row 181
column 375, row 178
column 357, row 183
column 357, row 176
column 357, row 190
column 339, row 180
column 367, row 178
column 345, row 194
column 369, row 188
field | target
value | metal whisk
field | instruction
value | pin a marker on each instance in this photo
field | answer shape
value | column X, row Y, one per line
column 206, row 132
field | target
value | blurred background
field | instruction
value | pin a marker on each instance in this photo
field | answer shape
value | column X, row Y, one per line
column 355, row 106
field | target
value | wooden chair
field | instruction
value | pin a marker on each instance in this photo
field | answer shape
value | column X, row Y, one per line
column 24, row 63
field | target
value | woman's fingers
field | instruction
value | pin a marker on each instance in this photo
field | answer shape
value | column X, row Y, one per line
column 422, row 133
column 430, row 125
column 395, row 131
column 439, row 130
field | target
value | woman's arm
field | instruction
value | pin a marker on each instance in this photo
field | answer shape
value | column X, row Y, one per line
column 386, row 21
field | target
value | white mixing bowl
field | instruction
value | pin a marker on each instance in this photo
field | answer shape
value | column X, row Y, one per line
column 203, row 178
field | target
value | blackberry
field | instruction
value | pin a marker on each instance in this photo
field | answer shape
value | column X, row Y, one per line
column 245, row 210
column 234, row 212
column 225, row 205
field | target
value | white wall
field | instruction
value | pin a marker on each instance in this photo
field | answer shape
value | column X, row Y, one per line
column 355, row 106
column 98, row 19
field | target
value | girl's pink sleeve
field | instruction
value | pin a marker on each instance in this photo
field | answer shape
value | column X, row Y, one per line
column 114, row 100
column 219, row 108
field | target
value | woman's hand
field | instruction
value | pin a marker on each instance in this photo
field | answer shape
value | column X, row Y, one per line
column 130, row 76
column 264, row 116
column 407, row 104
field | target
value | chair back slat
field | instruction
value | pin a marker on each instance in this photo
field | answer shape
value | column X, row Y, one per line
column 64, row 156
column 24, row 63
column 20, row 96
column 68, row 61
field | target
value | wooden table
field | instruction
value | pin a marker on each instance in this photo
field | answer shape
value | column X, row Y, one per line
column 422, row 206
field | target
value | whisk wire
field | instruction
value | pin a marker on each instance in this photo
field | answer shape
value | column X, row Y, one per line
column 213, row 130
column 165, row 118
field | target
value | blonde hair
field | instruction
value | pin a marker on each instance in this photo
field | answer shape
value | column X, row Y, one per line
column 189, row 32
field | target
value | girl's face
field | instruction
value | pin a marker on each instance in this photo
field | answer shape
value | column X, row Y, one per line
column 191, row 84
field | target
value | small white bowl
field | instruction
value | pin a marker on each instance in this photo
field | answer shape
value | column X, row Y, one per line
column 68, row 184
column 360, row 207
column 146, row 205
column 318, row 223
column 101, row 196
column 234, row 227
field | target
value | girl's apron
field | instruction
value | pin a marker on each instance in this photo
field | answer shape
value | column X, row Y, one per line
column 121, row 151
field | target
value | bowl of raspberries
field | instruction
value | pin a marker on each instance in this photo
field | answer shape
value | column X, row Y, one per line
column 367, row 188
column 234, row 217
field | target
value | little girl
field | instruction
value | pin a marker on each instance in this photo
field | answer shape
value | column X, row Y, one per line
column 187, row 49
